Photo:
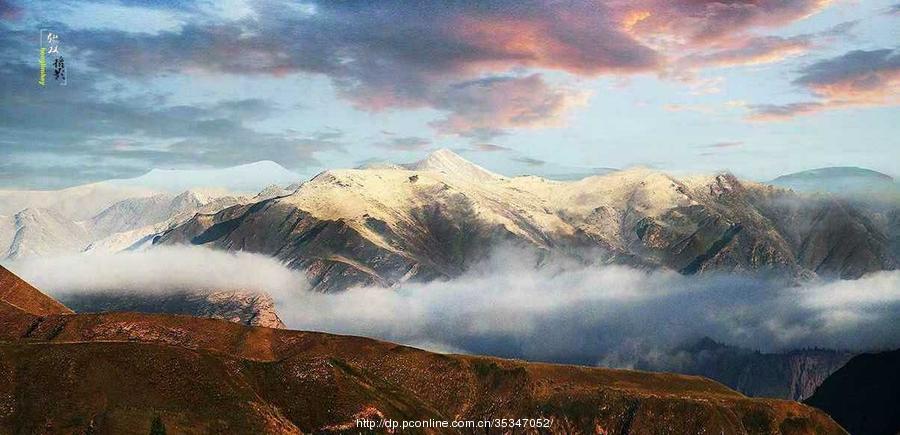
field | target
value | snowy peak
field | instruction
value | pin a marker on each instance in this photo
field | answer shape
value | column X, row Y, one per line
column 44, row 232
column 450, row 163
column 248, row 178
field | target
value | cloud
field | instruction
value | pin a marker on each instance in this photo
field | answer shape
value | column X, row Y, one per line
column 160, row 270
column 484, row 108
column 561, row 311
column 490, row 148
column 858, row 78
column 129, row 135
column 575, row 313
column 750, row 51
column 413, row 54
column 9, row 11
column 720, row 145
column 405, row 143
column 698, row 108
column 529, row 161
column 704, row 21
column 780, row 112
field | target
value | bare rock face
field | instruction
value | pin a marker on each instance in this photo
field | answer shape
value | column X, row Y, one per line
column 374, row 227
column 244, row 307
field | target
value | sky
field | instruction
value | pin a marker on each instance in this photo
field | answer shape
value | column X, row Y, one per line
column 760, row 88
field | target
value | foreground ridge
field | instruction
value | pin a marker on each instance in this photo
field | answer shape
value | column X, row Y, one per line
column 120, row 372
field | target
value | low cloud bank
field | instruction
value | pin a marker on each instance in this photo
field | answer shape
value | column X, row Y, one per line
column 159, row 270
column 561, row 311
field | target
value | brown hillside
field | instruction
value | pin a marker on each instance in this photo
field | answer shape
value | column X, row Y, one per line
column 18, row 293
column 117, row 372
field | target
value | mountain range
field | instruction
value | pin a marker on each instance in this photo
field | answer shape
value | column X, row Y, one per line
column 138, row 373
column 433, row 219
column 386, row 224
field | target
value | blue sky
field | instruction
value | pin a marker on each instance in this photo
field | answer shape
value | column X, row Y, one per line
column 760, row 88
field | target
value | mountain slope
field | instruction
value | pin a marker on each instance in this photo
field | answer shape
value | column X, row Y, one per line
column 793, row 375
column 385, row 225
column 195, row 375
column 864, row 395
column 21, row 295
column 130, row 214
column 74, row 203
column 44, row 232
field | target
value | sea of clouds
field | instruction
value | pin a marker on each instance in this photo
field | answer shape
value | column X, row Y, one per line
column 560, row 311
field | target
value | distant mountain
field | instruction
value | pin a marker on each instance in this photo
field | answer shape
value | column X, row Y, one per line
column 44, row 231
column 843, row 180
column 41, row 232
column 248, row 178
column 128, row 372
column 793, row 375
column 864, row 395
column 131, row 213
column 125, row 223
column 74, row 203
column 435, row 218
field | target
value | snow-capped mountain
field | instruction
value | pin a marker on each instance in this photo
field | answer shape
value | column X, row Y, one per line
column 117, row 214
column 41, row 231
column 44, row 231
column 248, row 179
column 433, row 219
column 75, row 203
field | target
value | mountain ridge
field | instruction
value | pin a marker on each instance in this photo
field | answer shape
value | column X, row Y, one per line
column 385, row 225
column 126, row 372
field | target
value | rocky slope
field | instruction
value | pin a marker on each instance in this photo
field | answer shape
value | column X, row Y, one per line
column 791, row 375
column 121, row 372
column 244, row 307
column 433, row 219
column 135, row 232
column 864, row 395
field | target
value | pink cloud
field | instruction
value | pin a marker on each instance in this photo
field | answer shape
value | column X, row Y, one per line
column 703, row 21
column 855, row 79
column 486, row 107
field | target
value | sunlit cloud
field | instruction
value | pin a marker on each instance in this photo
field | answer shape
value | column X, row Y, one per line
column 858, row 78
